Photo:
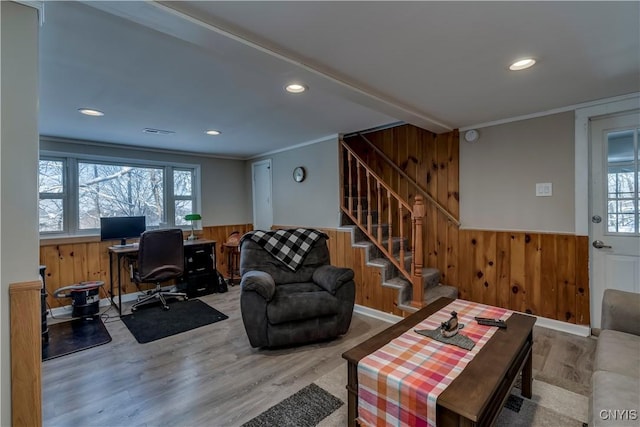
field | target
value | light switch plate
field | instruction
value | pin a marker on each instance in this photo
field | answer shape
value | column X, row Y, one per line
column 544, row 189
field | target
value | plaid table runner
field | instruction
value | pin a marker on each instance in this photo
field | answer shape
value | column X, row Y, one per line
column 288, row 246
column 399, row 383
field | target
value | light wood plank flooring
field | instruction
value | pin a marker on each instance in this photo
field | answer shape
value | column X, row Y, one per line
column 211, row 376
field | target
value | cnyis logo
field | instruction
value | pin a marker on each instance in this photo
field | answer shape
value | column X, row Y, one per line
column 619, row 415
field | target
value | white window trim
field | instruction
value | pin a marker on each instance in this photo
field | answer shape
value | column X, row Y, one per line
column 71, row 160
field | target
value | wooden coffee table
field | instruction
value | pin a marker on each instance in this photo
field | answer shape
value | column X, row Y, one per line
column 477, row 395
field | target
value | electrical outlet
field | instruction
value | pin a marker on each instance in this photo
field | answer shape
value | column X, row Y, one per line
column 544, row 189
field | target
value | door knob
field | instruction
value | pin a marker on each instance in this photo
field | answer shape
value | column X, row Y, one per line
column 599, row 244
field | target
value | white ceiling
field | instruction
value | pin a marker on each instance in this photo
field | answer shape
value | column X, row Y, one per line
column 191, row 66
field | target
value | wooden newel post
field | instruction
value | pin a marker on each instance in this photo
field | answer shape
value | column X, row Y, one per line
column 417, row 252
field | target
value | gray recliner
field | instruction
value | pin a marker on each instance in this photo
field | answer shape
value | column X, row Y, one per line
column 281, row 307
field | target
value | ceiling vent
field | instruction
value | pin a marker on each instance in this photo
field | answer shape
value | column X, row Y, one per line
column 157, row 131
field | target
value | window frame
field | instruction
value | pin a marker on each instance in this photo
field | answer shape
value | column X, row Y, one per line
column 71, row 220
column 634, row 163
column 64, row 195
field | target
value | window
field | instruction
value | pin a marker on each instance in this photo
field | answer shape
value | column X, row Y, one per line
column 52, row 189
column 119, row 190
column 183, row 196
column 164, row 194
column 623, row 182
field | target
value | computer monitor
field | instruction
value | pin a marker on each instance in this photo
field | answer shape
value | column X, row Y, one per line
column 122, row 227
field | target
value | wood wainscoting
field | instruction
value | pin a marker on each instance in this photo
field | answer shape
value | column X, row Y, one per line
column 26, row 353
column 545, row 274
column 79, row 259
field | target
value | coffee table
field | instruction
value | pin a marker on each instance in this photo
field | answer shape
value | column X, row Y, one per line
column 477, row 395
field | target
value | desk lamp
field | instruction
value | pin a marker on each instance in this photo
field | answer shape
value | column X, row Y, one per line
column 192, row 217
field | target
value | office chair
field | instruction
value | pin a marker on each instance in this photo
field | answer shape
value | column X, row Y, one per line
column 160, row 259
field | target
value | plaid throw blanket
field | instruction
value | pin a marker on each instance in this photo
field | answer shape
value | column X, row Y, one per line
column 398, row 384
column 288, row 246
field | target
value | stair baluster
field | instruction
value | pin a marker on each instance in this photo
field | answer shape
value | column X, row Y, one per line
column 350, row 202
column 417, row 216
column 379, row 194
column 369, row 214
column 359, row 196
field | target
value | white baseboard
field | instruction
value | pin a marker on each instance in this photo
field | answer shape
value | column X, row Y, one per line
column 557, row 325
column 376, row 314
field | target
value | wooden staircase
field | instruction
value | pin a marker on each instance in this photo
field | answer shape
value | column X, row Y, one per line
column 391, row 232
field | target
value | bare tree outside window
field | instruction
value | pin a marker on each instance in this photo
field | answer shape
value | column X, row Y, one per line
column 51, row 189
column 116, row 190
column 623, row 179
column 183, row 195
column 107, row 189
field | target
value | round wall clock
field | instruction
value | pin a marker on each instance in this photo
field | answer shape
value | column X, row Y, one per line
column 299, row 174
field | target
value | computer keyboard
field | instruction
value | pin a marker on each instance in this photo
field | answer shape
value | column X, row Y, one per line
column 127, row 246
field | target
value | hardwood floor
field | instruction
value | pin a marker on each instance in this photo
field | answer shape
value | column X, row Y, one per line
column 211, row 376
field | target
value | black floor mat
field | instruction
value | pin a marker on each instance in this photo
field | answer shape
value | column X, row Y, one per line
column 75, row 335
column 150, row 322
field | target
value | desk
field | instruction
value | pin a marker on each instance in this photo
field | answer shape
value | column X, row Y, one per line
column 196, row 266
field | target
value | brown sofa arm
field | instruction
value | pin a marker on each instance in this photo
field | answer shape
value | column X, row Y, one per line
column 621, row 311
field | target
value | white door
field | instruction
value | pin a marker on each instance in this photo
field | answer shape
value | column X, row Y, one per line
column 615, row 222
column 262, row 207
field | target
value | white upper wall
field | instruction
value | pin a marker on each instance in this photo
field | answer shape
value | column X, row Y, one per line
column 223, row 180
column 313, row 202
column 499, row 172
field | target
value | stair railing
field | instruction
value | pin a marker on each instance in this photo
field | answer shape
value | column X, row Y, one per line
column 410, row 180
column 366, row 191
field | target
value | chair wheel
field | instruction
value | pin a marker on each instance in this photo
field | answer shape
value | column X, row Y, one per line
column 165, row 307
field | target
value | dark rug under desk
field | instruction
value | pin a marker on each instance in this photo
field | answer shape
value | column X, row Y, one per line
column 75, row 335
column 150, row 322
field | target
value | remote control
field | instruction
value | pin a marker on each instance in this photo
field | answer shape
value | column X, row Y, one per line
column 491, row 322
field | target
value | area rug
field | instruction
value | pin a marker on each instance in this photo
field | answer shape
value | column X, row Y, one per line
column 306, row 408
column 150, row 322
column 75, row 335
column 550, row 406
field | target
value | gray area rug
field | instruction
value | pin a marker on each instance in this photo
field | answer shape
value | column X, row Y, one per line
column 306, row 408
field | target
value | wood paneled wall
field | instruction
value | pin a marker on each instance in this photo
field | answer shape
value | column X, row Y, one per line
column 369, row 292
column 220, row 234
column 432, row 161
column 26, row 353
column 541, row 273
column 74, row 260
column 545, row 274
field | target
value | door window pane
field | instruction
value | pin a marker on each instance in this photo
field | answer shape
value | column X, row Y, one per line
column 623, row 180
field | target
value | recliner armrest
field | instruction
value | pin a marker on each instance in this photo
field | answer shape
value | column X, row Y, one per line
column 331, row 278
column 260, row 282
column 621, row 311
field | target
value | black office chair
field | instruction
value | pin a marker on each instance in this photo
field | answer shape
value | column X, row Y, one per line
column 160, row 259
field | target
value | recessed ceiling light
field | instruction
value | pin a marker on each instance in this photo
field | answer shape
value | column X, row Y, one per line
column 522, row 64
column 295, row 88
column 90, row 112
column 213, row 132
